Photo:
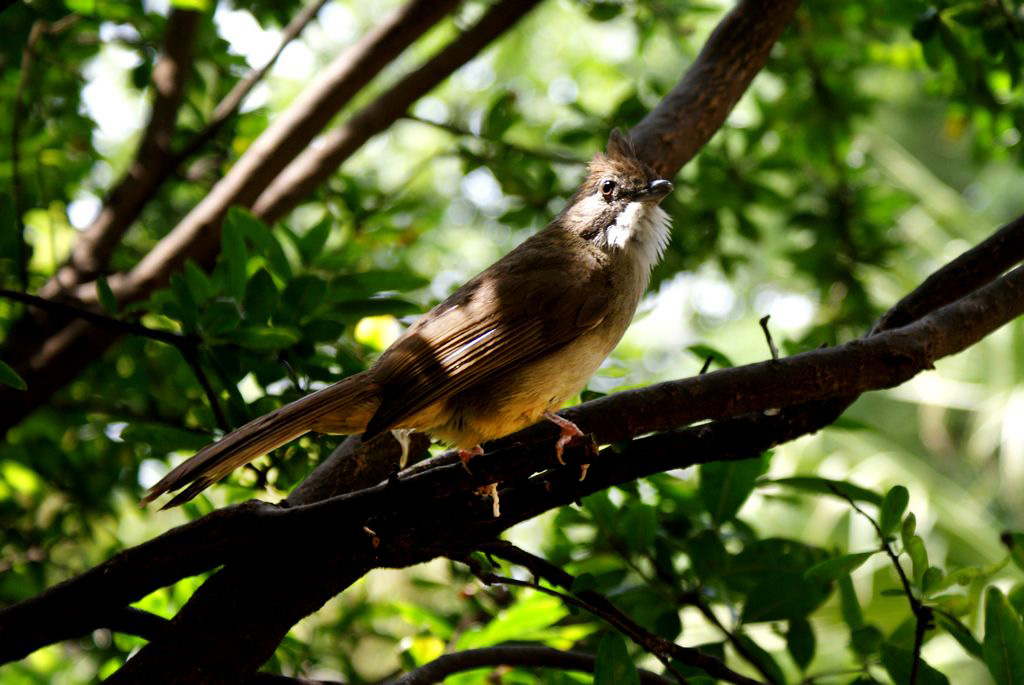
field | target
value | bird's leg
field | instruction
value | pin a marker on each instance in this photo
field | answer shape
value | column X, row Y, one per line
column 466, row 455
column 492, row 492
column 402, row 435
column 569, row 431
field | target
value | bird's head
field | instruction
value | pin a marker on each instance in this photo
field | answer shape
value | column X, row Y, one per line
column 616, row 208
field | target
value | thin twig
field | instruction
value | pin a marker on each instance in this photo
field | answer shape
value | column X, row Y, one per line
column 601, row 607
column 508, row 655
column 178, row 340
column 462, row 131
column 922, row 613
column 186, row 344
column 661, row 655
column 768, row 336
column 738, row 645
column 707, row 365
column 233, row 100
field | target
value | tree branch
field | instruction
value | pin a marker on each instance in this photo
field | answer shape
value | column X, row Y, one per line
column 48, row 355
column 227, row 107
column 431, row 513
column 187, row 345
column 671, row 134
column 316, row 165
column 153, row 163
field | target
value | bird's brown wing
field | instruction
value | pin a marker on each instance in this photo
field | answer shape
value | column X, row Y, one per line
column 483, row 330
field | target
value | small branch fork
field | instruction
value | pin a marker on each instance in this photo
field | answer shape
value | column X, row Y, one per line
column 923, row 618
column 598, row 605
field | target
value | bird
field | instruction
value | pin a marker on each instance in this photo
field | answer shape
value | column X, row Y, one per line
column 504, row 351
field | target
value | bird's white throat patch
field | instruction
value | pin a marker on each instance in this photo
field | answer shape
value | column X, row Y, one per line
column 645, row 228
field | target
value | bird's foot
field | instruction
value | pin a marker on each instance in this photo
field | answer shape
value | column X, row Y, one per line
column 492, row 492
column 569, row 431
column 466, row 455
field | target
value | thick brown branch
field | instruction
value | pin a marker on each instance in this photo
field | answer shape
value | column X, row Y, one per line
column 316, row 165
column 153, row 162
column 197, row 236
column 971, row 270
column 671, row 134
column 429, row 514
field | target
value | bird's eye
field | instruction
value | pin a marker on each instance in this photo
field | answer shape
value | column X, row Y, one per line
column 607, row 188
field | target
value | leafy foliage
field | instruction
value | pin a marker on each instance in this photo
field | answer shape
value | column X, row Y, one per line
column 881, row 139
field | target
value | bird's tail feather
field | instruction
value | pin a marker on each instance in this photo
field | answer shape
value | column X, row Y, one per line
column 344, row 407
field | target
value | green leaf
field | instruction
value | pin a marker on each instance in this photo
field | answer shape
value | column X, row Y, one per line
column 1003, row 646
column 232, row 241
column 218, row 318
column 362, row 284
column 263, row 339
column 908, row 528
column 303, row 296
column 827, row 486
column 584, row 582
column 800, row 642
column 918, row 557
column 707, row 554
column 899, row 662
column 260, row 299
column 501, row 115
column 891, row 511
column 704, row 351
column 961, row 634
column 9, row 377
column 198, row 283
column 725, row 485
column 783, row 597
column 932, row 580
column 263, row 239
column 640, row 525
column 1016, row 597
column 866, row 640
column 311, row 244
column 763, row 658
column 187, row 309
column 849, row 605
column 376, row 306
column 164, row 439
column 613, row 665
column 831, row 569
column 1015, row 543
column 602, row 10
column 106, row 295
column 527, row 619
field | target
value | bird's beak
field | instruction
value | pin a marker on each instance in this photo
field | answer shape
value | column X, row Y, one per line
column 655, row 191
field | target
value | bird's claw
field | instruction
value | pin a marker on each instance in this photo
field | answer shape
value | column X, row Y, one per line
column 466, row 455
